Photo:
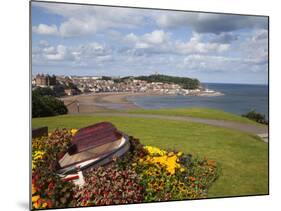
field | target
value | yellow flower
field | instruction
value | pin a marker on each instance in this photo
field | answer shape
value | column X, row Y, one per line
column 155, row 150
column 33, row 189
column 182, row 169
column 180, row 154
column 170, row 154
column 73, row 131
column 35, row 198
column 44, row 205
column 36, row 157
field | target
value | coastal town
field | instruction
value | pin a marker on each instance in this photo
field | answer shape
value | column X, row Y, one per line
column 75, row 85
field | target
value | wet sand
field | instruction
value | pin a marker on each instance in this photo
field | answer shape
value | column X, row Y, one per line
column 100, row 102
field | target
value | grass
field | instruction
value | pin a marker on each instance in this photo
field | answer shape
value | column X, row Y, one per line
column 207, row 113
column 243, row 157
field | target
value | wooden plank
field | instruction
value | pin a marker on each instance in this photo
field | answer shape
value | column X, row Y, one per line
column 93, row 136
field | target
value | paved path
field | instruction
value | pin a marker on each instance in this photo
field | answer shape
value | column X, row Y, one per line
column 261, row 131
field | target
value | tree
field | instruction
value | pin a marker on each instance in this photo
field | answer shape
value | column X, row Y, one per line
column 46, row 105
column 44, row 91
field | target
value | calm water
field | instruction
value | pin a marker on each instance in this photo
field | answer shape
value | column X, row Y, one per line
column 238, row 99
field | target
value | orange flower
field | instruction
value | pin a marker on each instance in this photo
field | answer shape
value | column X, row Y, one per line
column 35, row 198
column 192, row 179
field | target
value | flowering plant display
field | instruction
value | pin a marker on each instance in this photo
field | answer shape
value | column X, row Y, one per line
column 143, row 174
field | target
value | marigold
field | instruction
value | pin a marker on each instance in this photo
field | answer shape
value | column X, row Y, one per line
column 155, row 151
column 35, row 198
column 44, row 205
column 33, row 189
column 169, row 162
column 73, row 131
column 179, row 154
column 36, row 205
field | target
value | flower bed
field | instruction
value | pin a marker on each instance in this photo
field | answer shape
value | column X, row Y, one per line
column 144, row 174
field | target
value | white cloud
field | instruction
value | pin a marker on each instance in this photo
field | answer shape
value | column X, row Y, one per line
column 195, row 45
column 59, row 54
column 255, row 47
column 159, row 41
column 156, row 37
column 148, row 40
column 43, row 43
column 45, row 29
column 81, row 55
column 49, row 50
column 210, row 63
column 86, row 20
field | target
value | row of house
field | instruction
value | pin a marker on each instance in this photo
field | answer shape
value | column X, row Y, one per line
column 74, row 85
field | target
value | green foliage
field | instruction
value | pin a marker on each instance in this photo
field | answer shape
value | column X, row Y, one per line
column 44, row 91
column 43, row 106
column 186, row 83
column 56, row 105
column 56, row 91
column 253, row 115
column 39, row 108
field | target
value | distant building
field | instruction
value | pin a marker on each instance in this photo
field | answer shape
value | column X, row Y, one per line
column 70, row 92
column 45, row 80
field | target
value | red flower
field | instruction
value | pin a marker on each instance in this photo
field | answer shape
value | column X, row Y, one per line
column 51, row 185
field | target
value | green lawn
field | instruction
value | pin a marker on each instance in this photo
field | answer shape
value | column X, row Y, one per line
column 243, row 157
column 207, row 113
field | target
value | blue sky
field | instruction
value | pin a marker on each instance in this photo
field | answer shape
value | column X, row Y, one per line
column 93, row 40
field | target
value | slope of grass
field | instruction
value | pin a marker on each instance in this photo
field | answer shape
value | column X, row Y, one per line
column 207, row 113
column 243, row 157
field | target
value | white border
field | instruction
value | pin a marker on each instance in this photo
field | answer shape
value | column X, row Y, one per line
column 15, row 103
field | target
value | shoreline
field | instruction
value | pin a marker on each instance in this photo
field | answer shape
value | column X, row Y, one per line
column 106, row 101
column 100, row 102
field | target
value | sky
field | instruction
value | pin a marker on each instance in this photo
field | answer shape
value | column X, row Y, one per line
column 70, row 39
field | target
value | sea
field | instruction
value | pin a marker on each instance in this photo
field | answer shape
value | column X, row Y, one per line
column 238, row 99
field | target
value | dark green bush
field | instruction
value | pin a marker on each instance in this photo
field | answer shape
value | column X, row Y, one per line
column 46, row 106
column 253, row 115
column 44, row 91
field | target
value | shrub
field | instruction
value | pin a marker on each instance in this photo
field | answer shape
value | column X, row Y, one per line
column 44, row 91
column 46, row 106
column 253, row 115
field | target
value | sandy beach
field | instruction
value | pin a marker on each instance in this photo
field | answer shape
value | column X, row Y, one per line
column 100, row 102
column 106, row 101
